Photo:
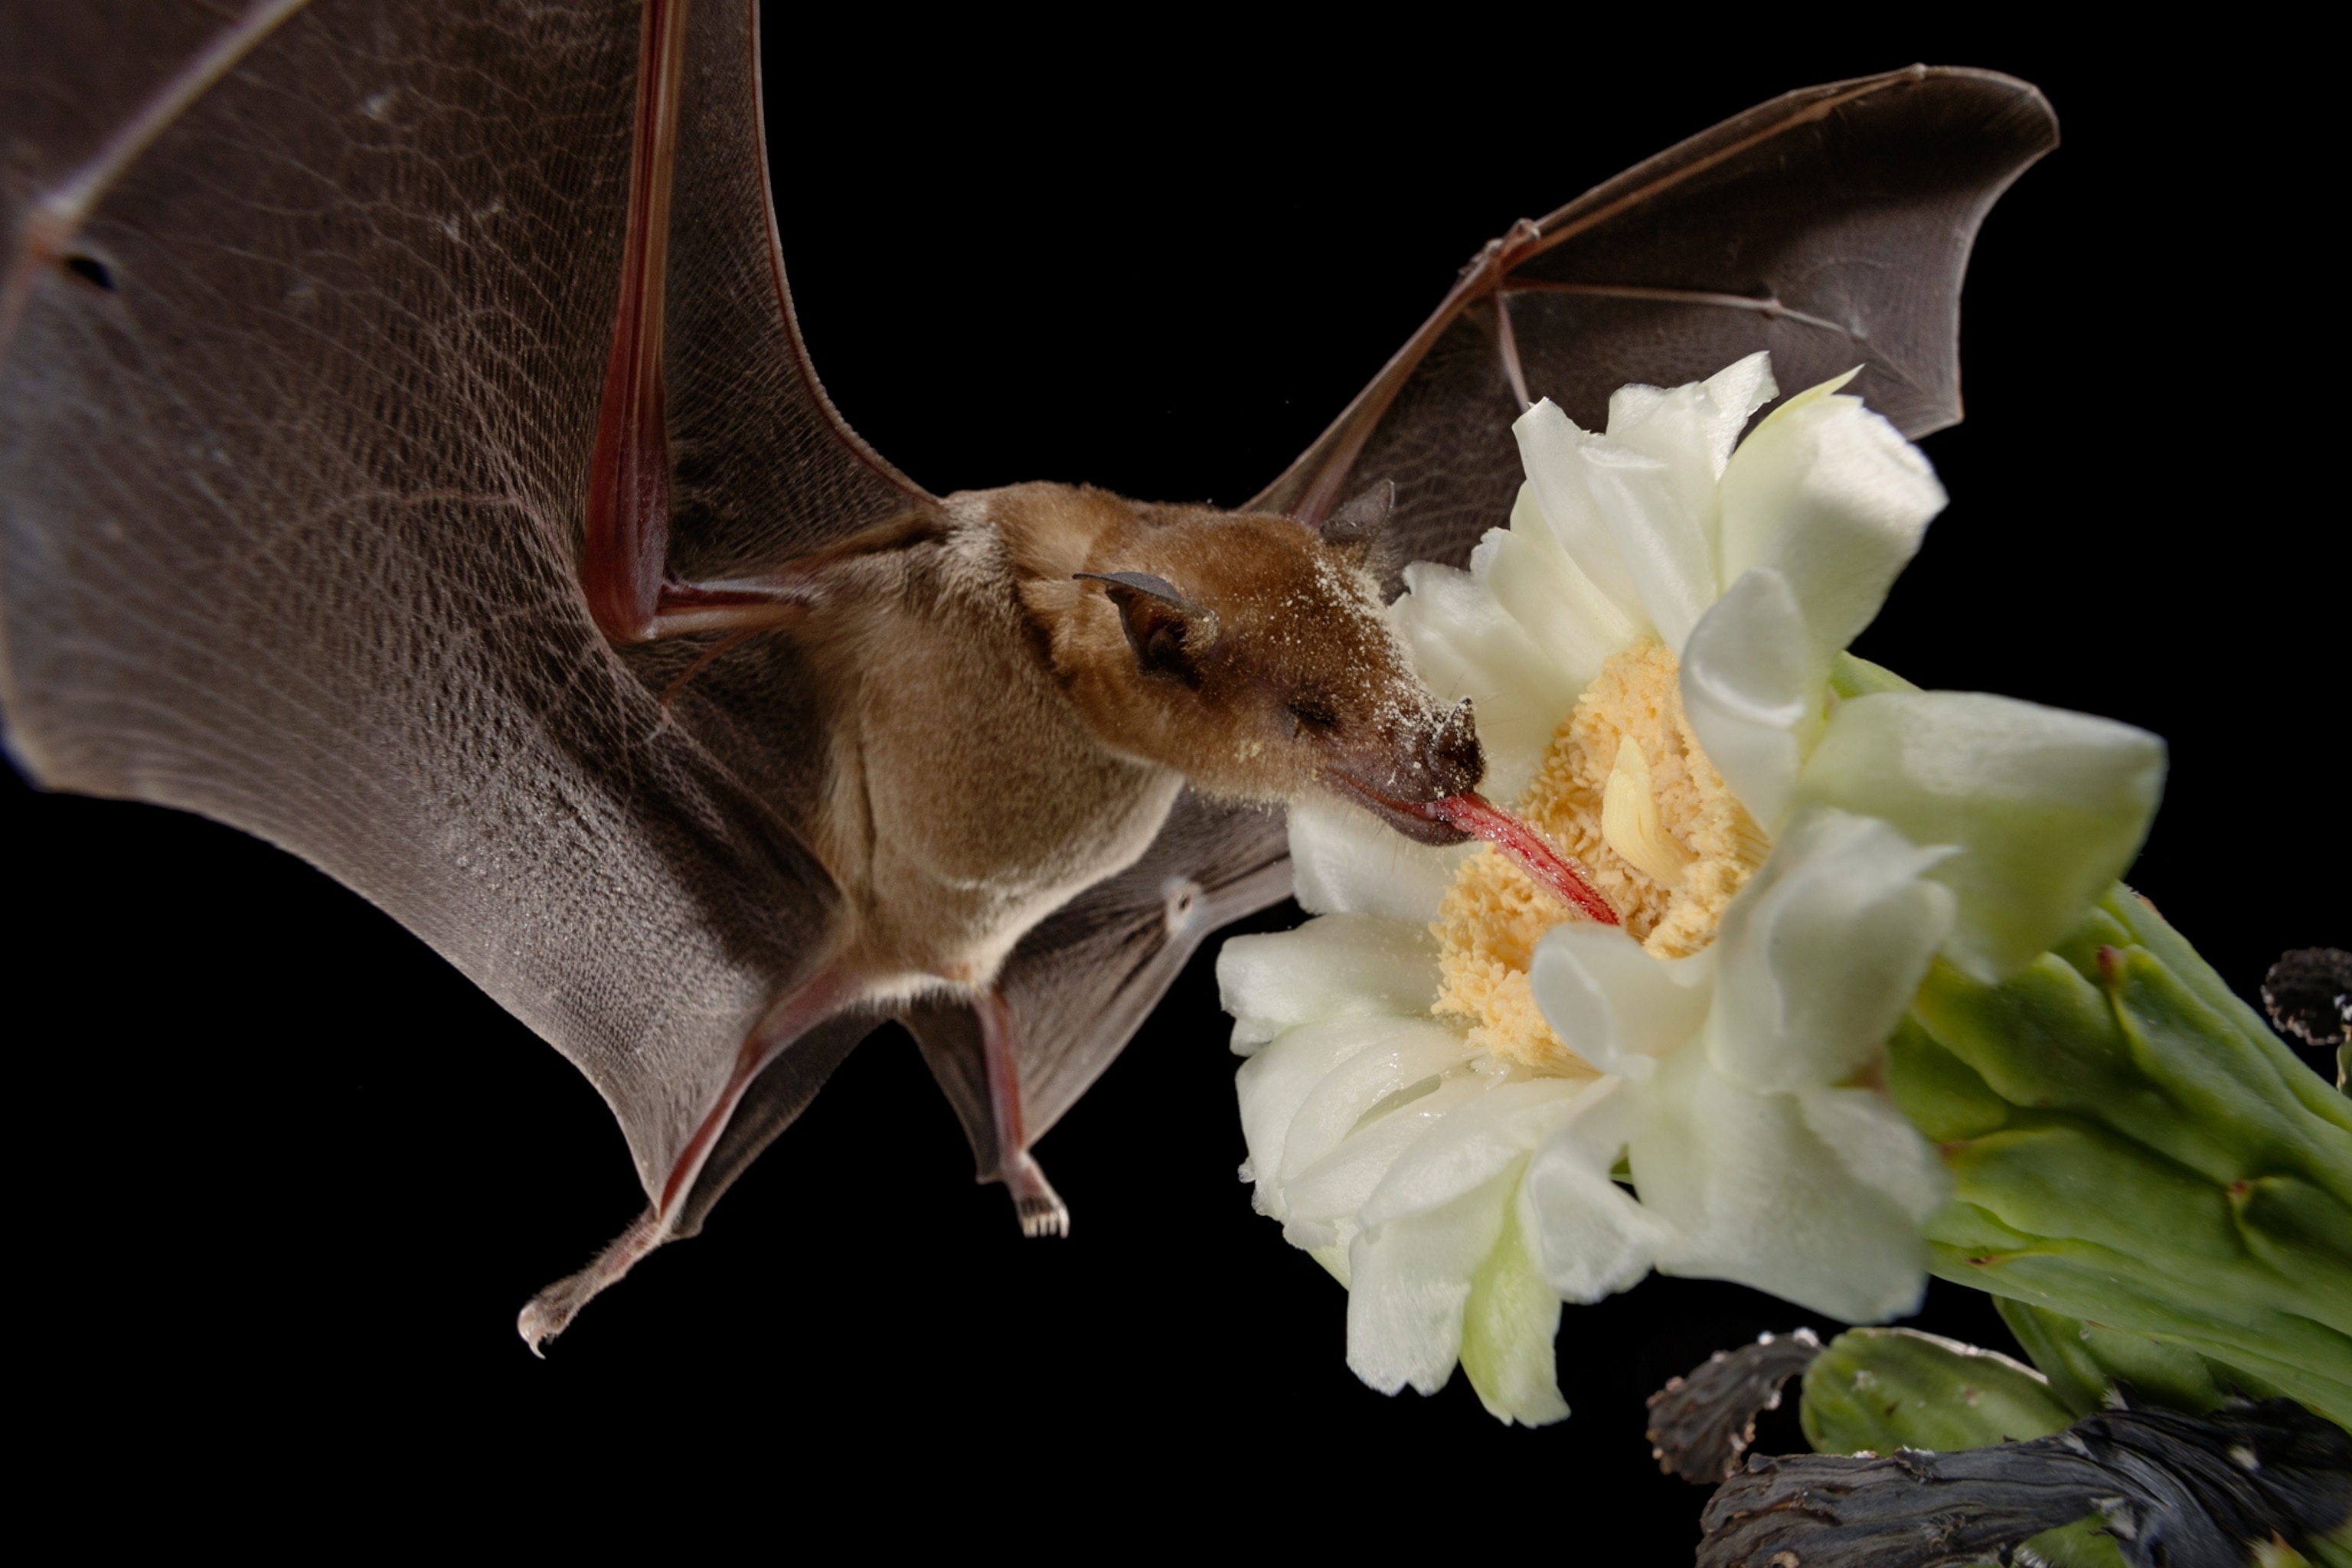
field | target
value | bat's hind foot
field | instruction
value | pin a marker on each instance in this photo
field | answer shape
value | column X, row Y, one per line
column 550, row 1312
column 1041, row 1208
column 1046, row 1216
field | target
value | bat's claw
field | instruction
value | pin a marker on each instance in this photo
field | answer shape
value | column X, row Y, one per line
column 546, row 1315
column 1048, row 1216
column 1041, row 1208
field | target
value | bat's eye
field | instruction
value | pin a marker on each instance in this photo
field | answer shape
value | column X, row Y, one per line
column 1163, row 651
column 90, row 271
column 1309, row 714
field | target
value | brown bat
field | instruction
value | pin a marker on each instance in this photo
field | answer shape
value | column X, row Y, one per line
column 455, row 506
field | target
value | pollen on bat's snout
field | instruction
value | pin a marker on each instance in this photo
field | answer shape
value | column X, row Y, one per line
column 1626, row 793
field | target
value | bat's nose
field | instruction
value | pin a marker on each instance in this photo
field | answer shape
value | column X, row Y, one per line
column 1439, row 757
column 1457, row 761
column 1407, row 781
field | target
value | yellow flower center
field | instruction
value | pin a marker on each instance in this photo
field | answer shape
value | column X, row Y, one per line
column 1625, row 791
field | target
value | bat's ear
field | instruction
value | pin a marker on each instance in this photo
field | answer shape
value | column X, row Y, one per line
column 1359, row 521
column 1168, row 631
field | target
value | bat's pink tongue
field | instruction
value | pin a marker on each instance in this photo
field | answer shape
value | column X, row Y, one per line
column 1472, row 813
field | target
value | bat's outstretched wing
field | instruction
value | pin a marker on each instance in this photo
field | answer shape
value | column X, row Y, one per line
column 1831, row 225
column 301, row 340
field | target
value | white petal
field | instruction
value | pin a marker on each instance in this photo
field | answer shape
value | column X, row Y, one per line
column 1338, row 965
column 1832, row 497
column 1464, row 644
column 1757, row 1196
column 1661, row 514
column 1344, row 860
column 1273, row 1085
column 1548, row 446
column 1277, row 1083
column 2049, row 806
column 1718, row 409
column 1596, row 1240
column 1409, row 1282
column 1736, row 392
column 1879, row 1146
column 1823, row 950
column 1615, row 1006
column 1562, row 611
column 1749, row 684
column 1471, row 1146
column 1590, row 1238
column 1400, row 1054
column 1335, row 1188
column 1508, row 1327
column 1631, row 404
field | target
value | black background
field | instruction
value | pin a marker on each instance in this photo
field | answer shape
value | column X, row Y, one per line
column 283, row 1178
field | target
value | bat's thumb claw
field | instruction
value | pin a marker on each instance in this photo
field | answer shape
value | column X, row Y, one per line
column 541, row 1319
column 550, row 1312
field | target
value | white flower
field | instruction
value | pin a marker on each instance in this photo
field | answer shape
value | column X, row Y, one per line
column 1450, row 1077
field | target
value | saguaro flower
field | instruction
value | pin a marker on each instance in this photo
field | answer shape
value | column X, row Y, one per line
column 1470, row 1103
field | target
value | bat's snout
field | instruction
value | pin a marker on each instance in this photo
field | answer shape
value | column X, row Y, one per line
column 1437, row 759
column 1454, row 761
column 1437, row 762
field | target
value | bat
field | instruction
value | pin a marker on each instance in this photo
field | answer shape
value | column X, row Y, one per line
column 398, row 1161
column 702, row 868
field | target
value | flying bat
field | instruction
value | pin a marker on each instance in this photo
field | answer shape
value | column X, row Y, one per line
column 413, row 458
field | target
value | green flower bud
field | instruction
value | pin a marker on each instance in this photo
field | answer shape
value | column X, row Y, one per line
column 2087, row 1364
column 1883, row 1389
column 2084, row 1544
column 2131, row 1147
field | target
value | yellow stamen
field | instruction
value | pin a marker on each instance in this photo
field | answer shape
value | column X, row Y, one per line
column 1625, row 791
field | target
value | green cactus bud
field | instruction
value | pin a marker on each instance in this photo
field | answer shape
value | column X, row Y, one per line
column 2133, row 1149
column 2088, row 1364
column 2333, row 1550
column 2083, row 1544
column 1883, row 1389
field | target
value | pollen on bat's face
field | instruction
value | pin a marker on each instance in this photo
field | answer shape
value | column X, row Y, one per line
column 1625, row 791
column 1297, row 681
column 1326, row 669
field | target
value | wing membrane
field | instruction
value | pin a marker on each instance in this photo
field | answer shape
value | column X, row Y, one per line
column 1832, row 227
column 290, row 534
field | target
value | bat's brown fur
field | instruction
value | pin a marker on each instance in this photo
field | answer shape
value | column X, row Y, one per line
column 970, row 667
